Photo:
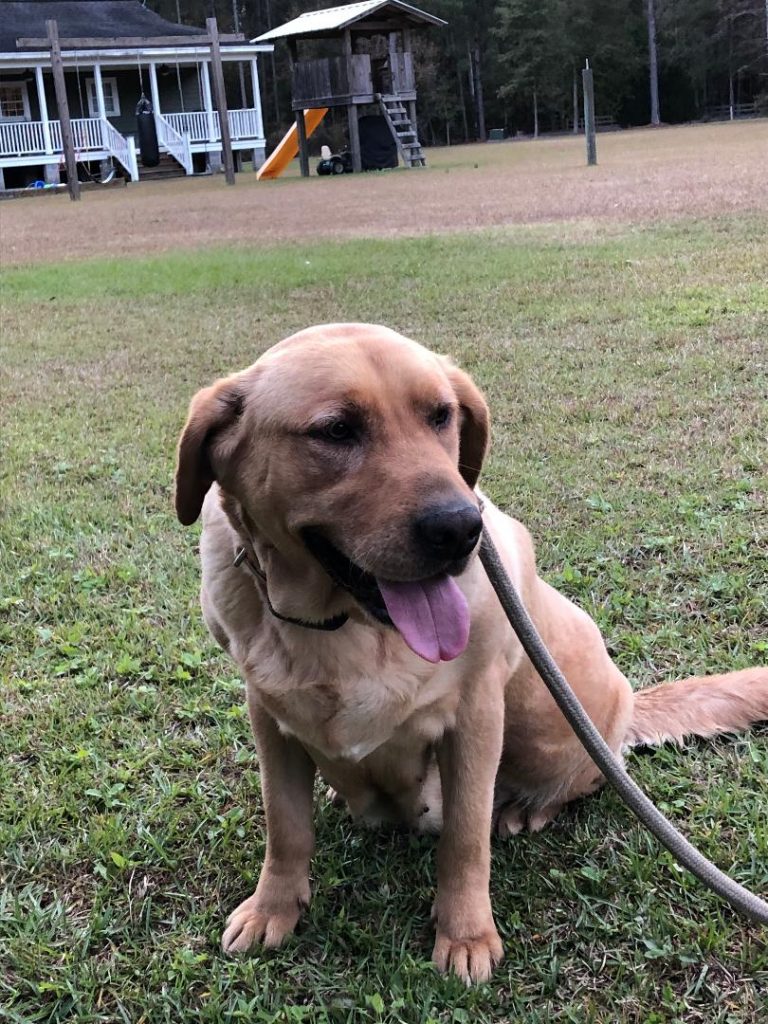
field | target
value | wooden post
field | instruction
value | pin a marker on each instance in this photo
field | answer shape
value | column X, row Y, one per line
column 589, row 115
column 354, row 130
column 392, row 55
column 73, row 185
column 653, row 61
column 301, row 128
column 354, row 138
column 221, row 100
column 301, row 131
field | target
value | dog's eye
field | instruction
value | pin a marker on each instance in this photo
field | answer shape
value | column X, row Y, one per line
column 440, row 417
column 338, row 431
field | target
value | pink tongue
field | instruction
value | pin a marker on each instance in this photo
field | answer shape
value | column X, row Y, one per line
column 432, row 616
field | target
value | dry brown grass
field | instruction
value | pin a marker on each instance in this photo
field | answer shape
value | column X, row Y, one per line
column 642, row 175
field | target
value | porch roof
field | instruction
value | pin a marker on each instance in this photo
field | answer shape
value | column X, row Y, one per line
column 129, row 32
column 95, row 19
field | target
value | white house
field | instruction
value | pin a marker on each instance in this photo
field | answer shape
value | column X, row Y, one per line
column 113, row 51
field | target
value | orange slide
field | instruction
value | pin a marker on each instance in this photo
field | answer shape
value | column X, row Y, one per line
column 289, row 145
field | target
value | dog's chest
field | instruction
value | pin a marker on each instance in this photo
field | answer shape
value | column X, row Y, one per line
column 346, row 709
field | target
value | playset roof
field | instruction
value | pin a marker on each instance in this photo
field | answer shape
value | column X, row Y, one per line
column 333, row 20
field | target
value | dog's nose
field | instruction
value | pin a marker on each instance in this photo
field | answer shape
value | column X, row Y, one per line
column 449, row 531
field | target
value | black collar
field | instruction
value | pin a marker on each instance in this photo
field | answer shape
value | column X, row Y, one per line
column 328, row 625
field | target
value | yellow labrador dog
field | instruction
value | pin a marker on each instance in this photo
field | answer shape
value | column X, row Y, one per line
column 336, row 478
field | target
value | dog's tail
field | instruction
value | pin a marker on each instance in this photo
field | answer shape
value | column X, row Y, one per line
column 699, row 706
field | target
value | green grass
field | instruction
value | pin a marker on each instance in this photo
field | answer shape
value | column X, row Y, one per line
column 627, row 377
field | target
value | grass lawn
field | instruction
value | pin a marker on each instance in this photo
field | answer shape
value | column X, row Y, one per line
column 642, row 176
column 627, row 377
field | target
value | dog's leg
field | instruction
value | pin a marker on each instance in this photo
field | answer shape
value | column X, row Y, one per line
column 467, row 942
column 287, row 777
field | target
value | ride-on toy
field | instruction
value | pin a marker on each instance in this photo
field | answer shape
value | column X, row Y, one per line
column 334, row 163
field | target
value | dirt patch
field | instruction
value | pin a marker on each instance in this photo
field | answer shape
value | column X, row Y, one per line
column 641, row 175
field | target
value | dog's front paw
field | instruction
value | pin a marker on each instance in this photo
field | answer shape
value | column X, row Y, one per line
column 471, row 958
column 266, row 921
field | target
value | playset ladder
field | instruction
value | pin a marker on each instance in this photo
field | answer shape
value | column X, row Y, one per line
column 403, row 131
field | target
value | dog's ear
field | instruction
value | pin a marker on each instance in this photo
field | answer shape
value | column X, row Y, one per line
column 211, row 411
column 475, row 424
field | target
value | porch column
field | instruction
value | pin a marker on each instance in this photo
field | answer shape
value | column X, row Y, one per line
column 257, row 154
column 257, row 98
column 214, row 158
column 100, row 106
column 43, row 109
column 106, row 164
column 208, row 101
column 153, row 88
column 51, row 171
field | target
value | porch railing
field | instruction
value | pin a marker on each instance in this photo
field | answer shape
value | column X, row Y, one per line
column 194, row 124
column 204, row 127
column 86, row 135
column 92, row 135
column 27, row 138
column 22, row 138
column 174, row 142
column 244, row 124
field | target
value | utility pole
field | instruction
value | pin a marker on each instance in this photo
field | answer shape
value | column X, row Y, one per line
column 589, row 115
column 57, row 66
column 220, row 96
column 653, row 61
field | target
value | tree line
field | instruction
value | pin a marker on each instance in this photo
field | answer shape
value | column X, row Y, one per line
column 516, row 64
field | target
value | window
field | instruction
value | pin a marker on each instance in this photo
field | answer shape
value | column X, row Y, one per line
column 14, row 101
column 111, row 99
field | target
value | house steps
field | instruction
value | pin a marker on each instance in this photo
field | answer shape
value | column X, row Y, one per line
column 167, row 168
column 403, row 130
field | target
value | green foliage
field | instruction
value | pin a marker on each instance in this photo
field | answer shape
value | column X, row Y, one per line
column 536, row 48
column 701, row 45
column 707, row 48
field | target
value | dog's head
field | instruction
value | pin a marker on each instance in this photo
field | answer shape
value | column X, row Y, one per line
column 353, row 447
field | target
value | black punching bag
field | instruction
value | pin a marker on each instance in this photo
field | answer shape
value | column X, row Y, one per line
column 147, row 133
